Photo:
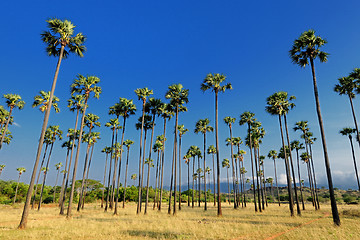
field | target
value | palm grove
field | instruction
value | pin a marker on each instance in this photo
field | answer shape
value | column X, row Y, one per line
column 202, row 163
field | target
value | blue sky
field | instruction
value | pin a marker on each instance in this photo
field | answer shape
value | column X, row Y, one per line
column 135, row 44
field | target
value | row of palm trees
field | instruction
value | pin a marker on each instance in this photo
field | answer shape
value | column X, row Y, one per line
column 61, row 41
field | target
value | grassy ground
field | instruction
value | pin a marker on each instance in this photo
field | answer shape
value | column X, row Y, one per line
column 93, row 223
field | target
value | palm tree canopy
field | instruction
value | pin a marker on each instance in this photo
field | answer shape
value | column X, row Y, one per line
column 61, row 33
column 166, row 111
column 279, row 103
column 304, row 157
column 211, row 149
column 147, row 122
column 113, row 124
column 58, row 165
column 143, row 93
column 42, row 100
column 124, row 107
column 213, row 82
column 225, row 163
column 86, row 85
column 346, row 86
column 55, row 132
column 91, row 120
column 272, row 154
column 202, row 126
column 178, row 96
column 128, row 143
column 229, row 120
column 21, row 170
column 182, row 130
column 347, row 131
column 76, row 102
column 247, row 117
column 14, row 101
column 154, row 106
column 158, row 146
column 306, row 47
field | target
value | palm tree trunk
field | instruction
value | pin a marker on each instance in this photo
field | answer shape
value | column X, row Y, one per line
column 172, row 178
column 257, row 178
column 353, row 155
column 6, row 127
column 193, row 184
column 162, row 166
column 199, row 182
column 310, row 177
column 147, row 187
column 179, row 172
column 334, row 209
column 355, row 121
column 68, row 215
column 138, row 209
column 150, row 148
column 47, row 167
column 188, row 184
column 64, row 178
column 25, row 213
column 313, row 170
column 126, row 170
column 233, row 168
column 62, row 206
column 102, row 196
column 219, row 212
column 17, row 186
column 87, row 176
column 298, row 166
column 37, row 180
column 227, row 174
column 84, row 175
column 205, row 172
column 175, row 155
column 292, row 167
column 252, row 167
column 156, row 178
column 114, row 174
column 57, row 176
column 291, row 200
column 214, row 178
column 277, row 187
column 111, row 157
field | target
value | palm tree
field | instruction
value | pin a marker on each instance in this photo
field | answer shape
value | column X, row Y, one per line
column 305, row 157
column 273, row 154
column 150, row 164
column 60, row 36
column 202, row 126
column 143, row 94
column 348, row 132
column 178, row 97
column 298, row 146
column 248, row 118
column 58, row 167
column 42, row 100
column 212, row 150
column 21, row 170
column 277, row 104
column 229, row 121
column 107, row 151
column 12, row 101
column 347, row 86
column 2, row 166
column 182, row 130
column 271, row 180
column 127, row 143
column 193, row 151
column 158, row 147
column 213, row 82
column 226, row 164
column 187, row 161
column 85, row 86
column 133, row 177
column 307, row 48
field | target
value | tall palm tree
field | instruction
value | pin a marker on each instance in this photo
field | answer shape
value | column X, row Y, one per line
column 107, row 151
column 158, row 147
column 127, row 143
column 178, row 97
column 12, row 101
column 193, row 151
column 276, row 105
column 187, row 159
column 229, row 121
column 248, row 118
column 273, row 155
column 58, row 167
column 42, row 100
column 212, row 150
column 347, row 86
column 21, row 170
column 143, row 94
column 150, row 164
column 214, row 82
column 202, row 126
column 226, row 164
column 348, row 132
column 85, row 86
column 298, row 146
column 59, row 37
column 182, row 130
column 307, row 48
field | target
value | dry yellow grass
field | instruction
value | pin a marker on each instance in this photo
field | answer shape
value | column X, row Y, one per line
column 94, row 223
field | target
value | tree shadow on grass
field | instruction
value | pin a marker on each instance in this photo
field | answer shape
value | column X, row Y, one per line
column 158, row 235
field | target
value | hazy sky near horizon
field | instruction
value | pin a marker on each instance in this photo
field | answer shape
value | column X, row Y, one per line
column 135, row 44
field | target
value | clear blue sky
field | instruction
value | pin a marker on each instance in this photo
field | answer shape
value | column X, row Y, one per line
column 135, row 44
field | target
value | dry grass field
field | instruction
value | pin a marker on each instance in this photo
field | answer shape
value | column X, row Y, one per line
column 94, row 223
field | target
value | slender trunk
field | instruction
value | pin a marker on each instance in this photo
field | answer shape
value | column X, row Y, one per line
column 114, row 173
column 17, row 186
column 64, row 178
column 6, row 127
column 199, row 182
column 111, row 157
column 172, row 179
column 62, row 205
column 150, row 148
column 138, row 209
column 179, row 172
column 261, row 179
column 257, row 178
column 313, row 170
column 126, row 170
column 192, row 200
column 37, row 180
column 142, row 169
column 175, row 155
column 45, row 174
column 103, row 188
column 219, row 212
column 291, row 201
column 87, row 176
column 25, row 213
column 227, row 174
column 188, row 184
column 162, row 166
column 68, row 215
column 310, row 175
column 205, row 208
column 301, row 191
column 277, row 187
column 214, row 179
column 355, row 121
column 353, row 155
column 84, row 174
column 252, row 167
column 233, row 167
column 334, row 209
column 156, row 177
column 57, row 176
column 292, row 167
